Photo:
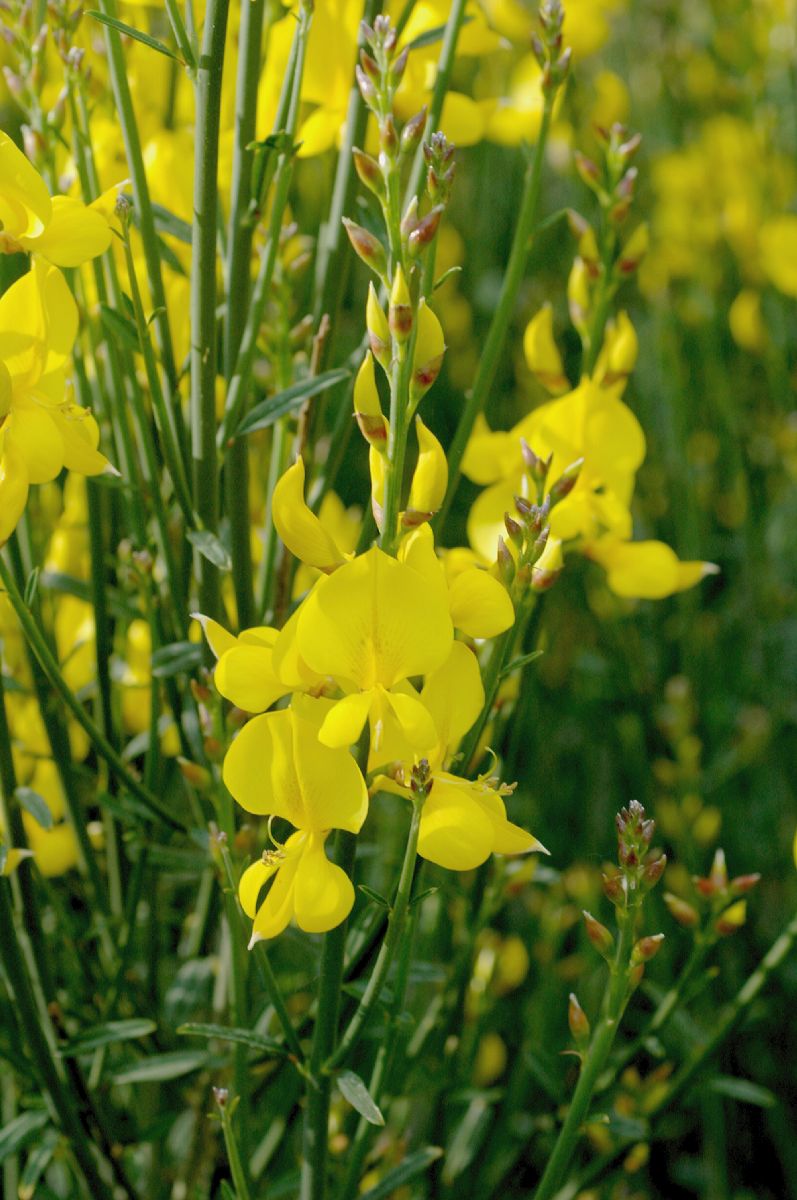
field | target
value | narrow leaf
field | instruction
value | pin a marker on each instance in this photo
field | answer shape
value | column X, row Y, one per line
column 120, row 327
column 432, row 35
column 19, row 1131
column 36, row 805
column 211, row 548
column 136, row 34
column 176, row 658
column 274, row 407
column 244, row 1037
column 105, row 1034
column 415, row 1164
column 38, row 1161
column 743, row 1090
column 523, row 661
column 373, row 895
column 161, row 1067
column 353, row 1089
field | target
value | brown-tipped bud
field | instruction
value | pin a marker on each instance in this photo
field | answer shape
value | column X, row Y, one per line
column 398, row 66
column 685, row 914
column 653, row 872
column 566, row 481
column 577, row 1020
column 647, row 948
column 599, row 935
column 399, row 313
column 370, row 66
column 388, row 136
column 615, row 889
column 514, row 529
column 198, row 776
column 367, row 89
column 410, row 218
column 634, row 250
column 425, row 230
column 412, row 132
column 221, row 1095
column 537, row 467
column 732, row 919
column 367, row 247
column 628, row 148
column 368, row 172
column 505, row 563
column 744, row 883
column 588, row 170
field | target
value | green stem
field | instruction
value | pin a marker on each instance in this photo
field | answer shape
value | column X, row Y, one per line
column 239, row 1175
column 239, row 381
column 445, row 65
column 239, row 255
column 396, row 446
column 607, row 287
column 499, row 326
column 395, row 931
column 61, row 1100
column 594, row 1061
column 181, row 36
column 313, row 1184
column 49, row 665
column 203, row 293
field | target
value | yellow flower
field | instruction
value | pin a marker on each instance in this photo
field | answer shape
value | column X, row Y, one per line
column 646, row 570
column 463, row 821
column 429, row 480
column 370, row 626
column 245, row 672
column 41, row 430
column 60, row 228
column 779, row 253
column 277, row 767
column 299, row 527
column 542, row 353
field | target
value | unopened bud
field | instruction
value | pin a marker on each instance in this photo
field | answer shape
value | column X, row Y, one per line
column 514, row 529
column 399, row 316
column 564, row 485
column 614, row 888
column 744, row 883
column 719, row 871
column 653, row 872
column 732, row 919
column 425, row 230
column 370, row 66
column 388, row 136
column 634, row 250
column 368, row 172
column 366, row 246
column 685, row 914
column 635, row 976
column 378, row 329
column 412, row 132
column 198, row 776
column 588, row 170
column 599, row 935
column 577, row 1020
column 365, row 84
column 398, row 66
column 647, row 948
column 505, row 563
column 221, row 1095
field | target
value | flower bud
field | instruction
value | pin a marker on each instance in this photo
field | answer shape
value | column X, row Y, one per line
column 367, row 246
column 685, row 914
column 505, row 563
column 653, row 872
column 548, row 567
column 368, row 172
column 410, row 218
column 198, row 776
column 378, row 329
column 731, row 921
column 365, row 84
column 429, row 480
column 615, row 889
column 578, row 1022
column 578, row 295
column 515, row 530
column 376, row 466
column 634, row 250
column 412, row 132
column 425, row 230
column 647, row 948
column 599, row 935
column 367, row 408
column 588, row 170
column 744, row 883
column 399, row 314
column 542, row 354
column 429, row 350
column 566, row 481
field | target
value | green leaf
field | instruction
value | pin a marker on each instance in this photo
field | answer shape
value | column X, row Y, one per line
column 105, row 1034
column 743, row 1090
column 129, row 31
column 522, row 661
column 211, row 548
column 415, row 1164
column 373, row 895
column 36, row 805
column 226, row 1191
column 445, row 276
column 353, row 1089
column 431, row 36
column 19, row 1131
column 419, row 899
column 32, row 587
column 169, row 222
column 467, row 1139
column 273, row 407
column 175, row 659
column 120, row 327
column 38, row 1162
column 161, row 1067
column 226, row 1033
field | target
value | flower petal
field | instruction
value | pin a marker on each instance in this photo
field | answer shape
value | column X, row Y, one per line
column 324, row 893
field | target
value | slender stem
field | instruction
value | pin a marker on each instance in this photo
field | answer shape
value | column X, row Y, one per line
column 313, row 1184
column 203, row 293
column 238, row 279
column 445, row 65
column 52, row 671
column 239, row 1175
column 499, row 326
column 396, row 446
column 595, row 1058
column 61, row 1099
column 181, row 35
column 395, row 931
column 238, row 382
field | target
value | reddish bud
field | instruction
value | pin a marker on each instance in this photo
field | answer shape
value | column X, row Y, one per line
column 685, row 914
column 599, row 935
column 647, row 948
column 577, row 1020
